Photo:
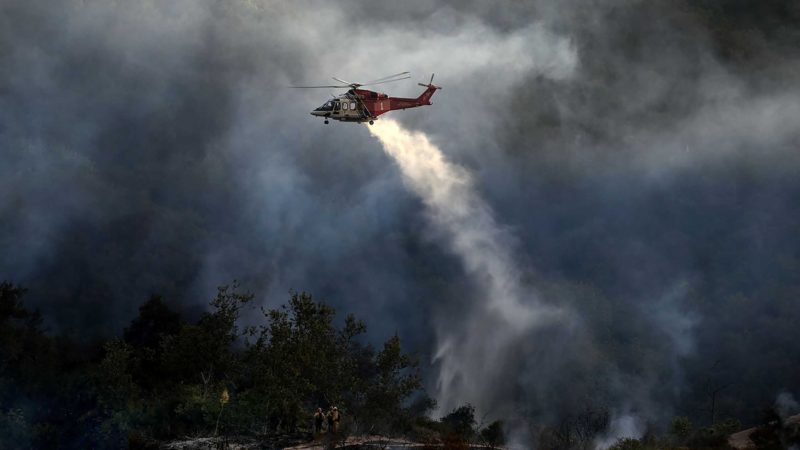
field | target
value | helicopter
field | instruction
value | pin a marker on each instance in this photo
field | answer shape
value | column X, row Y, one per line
column 362, row 105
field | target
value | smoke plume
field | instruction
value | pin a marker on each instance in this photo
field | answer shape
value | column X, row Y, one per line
column 645, row 155
column 786, row 405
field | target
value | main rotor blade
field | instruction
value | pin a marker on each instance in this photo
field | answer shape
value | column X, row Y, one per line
column 386, row 78
column 316, row 87
column 345, row 82
column 386, row 81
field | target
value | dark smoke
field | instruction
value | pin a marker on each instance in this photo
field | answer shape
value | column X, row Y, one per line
column 651, row 182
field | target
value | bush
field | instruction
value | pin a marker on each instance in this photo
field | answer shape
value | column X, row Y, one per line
column 628, row 444
column 681, row 428
column 461, row 421
column 493, row 434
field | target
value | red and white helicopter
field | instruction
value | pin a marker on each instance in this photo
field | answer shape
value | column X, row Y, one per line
column 361, row 105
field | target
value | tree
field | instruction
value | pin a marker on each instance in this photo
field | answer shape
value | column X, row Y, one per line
column 301, row 360
column 681, row 429
column 202, row 352
column 116, row 385
column 155, row 321
column 200, row 359
column 628, row 444
column 20, row 336
column 145, row 336
column 575, row 431
column 118, row 400
column 394, row 381
column 461, row 421
column 167, row 378
column 493, row 434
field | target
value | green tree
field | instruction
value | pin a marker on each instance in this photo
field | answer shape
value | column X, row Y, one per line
column 628, row 444
column 680, row 429
column 200, row 360
column 154, row 322
column 21, row 340
column 115, row 383
column 202, row 353
column 300, row 360
column 395, row 380
column 118, row 405
column 461, row 421
column 493, row 434
column 145, row 334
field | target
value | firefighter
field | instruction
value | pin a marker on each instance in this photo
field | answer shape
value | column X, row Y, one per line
column 319, row 417
column 335, row 418
column 329, row 418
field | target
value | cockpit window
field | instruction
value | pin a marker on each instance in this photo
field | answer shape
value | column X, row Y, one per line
column 328, row 106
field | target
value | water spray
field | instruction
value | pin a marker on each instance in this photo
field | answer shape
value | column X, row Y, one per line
column 470, row 350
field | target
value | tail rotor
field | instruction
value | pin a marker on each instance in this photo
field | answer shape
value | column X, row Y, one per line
column 430, row 83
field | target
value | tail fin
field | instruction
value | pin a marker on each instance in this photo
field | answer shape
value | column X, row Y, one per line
column 425, row 97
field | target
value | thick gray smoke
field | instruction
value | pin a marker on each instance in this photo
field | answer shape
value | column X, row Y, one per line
column 634, row 163
column 621, row 427
column 786, row 405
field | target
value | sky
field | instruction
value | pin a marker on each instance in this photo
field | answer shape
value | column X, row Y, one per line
column 639, row 158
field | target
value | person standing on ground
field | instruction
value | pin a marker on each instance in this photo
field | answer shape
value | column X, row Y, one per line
column 319, row 417
column 329, row 418
column 336, row 418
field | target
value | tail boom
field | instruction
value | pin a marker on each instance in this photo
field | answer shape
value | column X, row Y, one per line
column 376, row 104
column 424, row 99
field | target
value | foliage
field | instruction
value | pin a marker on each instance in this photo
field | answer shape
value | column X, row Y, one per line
column 202, row 351
column 115, row 383
column 300, row 361
column 168, row 378
column 144, row 337
column 775, row 433
column 575, row 430
column 493, row 434
column 715, row 436
column 628, row 444
column 395, row 380
column 681, row 428
column 461, row 421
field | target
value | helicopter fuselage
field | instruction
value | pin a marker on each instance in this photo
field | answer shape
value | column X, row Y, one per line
column 361, row 105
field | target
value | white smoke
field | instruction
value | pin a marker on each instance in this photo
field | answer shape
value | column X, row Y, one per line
column 786, row 405
column 471, row 350
column 624, row 426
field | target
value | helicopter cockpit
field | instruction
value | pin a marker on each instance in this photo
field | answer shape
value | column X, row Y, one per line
column 330, row 105
column 344, row 107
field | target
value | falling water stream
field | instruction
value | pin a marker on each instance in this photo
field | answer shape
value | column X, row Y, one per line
column 471, row 348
